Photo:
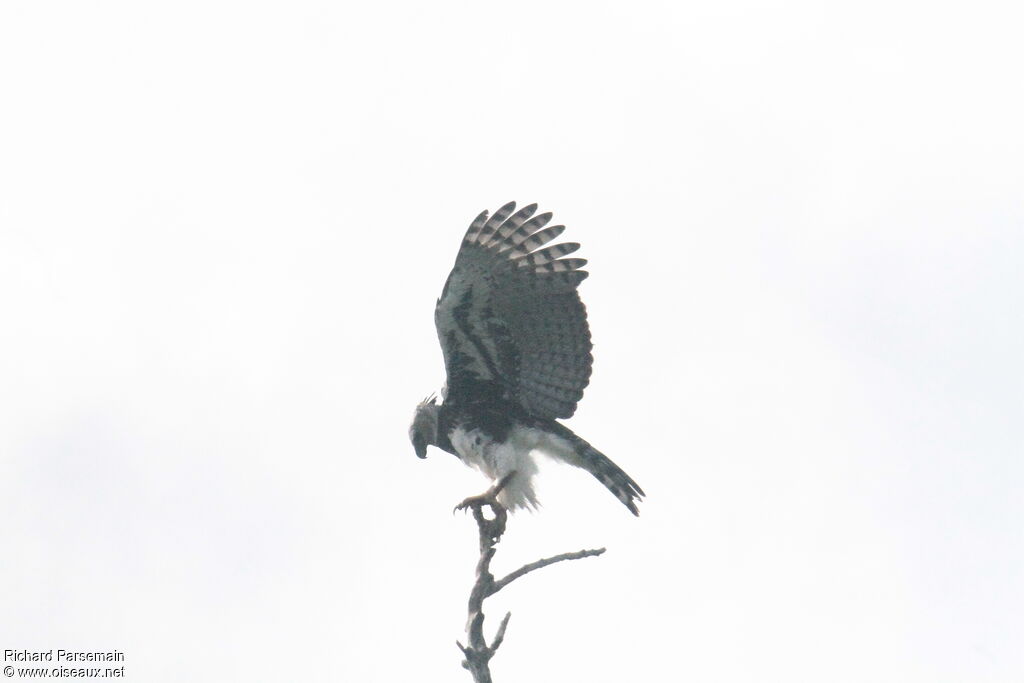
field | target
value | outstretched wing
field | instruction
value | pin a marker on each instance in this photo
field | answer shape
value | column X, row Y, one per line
column 510, row 320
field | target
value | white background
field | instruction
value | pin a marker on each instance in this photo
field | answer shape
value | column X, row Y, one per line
column 223, row 226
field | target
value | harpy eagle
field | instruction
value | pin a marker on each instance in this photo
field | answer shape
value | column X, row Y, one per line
column 516, row 347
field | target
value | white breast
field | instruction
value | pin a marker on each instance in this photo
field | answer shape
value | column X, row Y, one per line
column 498, row 459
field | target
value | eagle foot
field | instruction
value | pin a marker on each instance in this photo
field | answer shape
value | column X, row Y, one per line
column 488, row 498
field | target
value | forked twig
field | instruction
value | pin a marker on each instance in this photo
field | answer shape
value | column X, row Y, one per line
column 478, row 653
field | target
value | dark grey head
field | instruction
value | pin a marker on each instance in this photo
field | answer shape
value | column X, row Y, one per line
column 423, row 430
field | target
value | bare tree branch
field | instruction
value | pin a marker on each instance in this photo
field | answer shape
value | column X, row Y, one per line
column 526, row 569
column 478, row 653
column 499, row 637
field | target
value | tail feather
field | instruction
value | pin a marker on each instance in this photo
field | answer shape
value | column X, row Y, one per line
column 587, row 457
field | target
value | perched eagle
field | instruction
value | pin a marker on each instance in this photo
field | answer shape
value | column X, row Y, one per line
column 517, row 354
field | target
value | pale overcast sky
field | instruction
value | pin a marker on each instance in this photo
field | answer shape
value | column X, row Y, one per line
column 223, row 226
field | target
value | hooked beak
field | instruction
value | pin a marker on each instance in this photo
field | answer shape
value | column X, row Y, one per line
column 420, row 444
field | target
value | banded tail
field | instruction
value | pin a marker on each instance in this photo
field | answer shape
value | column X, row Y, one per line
column 601, row 466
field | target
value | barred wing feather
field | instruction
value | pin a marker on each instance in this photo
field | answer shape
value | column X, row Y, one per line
column 510, row 320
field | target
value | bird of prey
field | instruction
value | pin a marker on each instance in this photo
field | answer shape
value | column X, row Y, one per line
column 516, row 347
